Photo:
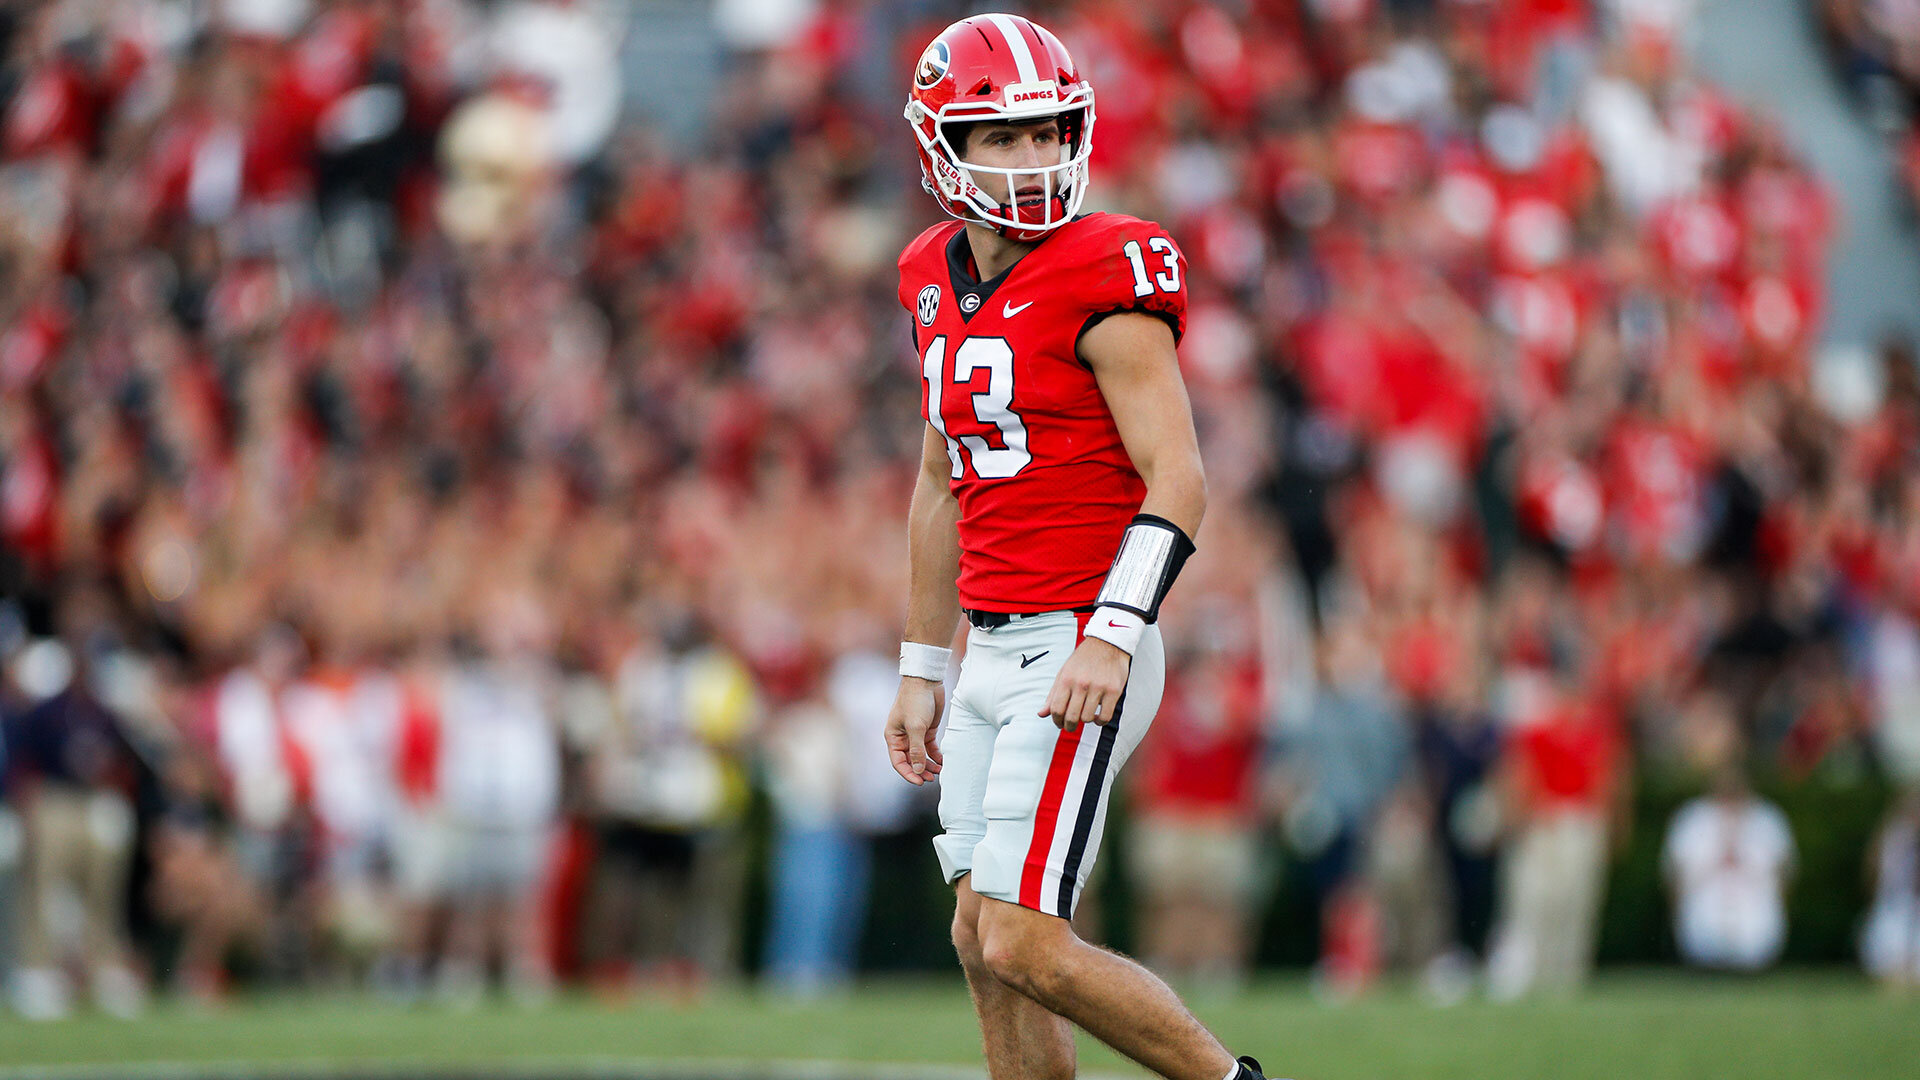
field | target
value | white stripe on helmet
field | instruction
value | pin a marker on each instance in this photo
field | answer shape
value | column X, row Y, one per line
column 1017, row 42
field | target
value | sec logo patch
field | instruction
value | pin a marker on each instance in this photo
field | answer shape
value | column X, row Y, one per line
column 929, row 304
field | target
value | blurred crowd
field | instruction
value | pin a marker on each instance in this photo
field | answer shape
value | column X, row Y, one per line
column 438, row 505
column 1875, row 48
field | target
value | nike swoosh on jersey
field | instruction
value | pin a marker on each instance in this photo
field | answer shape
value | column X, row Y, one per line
column 1009, row 311
column 1025, row 659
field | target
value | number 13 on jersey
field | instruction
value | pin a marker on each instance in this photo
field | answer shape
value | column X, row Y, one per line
column 992, row 407
column 1167, row 280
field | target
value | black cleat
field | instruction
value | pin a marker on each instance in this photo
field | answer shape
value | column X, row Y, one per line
column 1249, row 1070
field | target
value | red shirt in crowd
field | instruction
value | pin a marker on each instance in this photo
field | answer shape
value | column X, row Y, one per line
column 1202, row 755
column 1569, row 757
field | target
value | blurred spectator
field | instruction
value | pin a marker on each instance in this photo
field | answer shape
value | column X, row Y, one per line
column 12, row 843
column 1341, row 766
column 1408, row 884
column 1194, row 848
column 342, row 719
column 1890, row 943
column 1728, row 858
column 421, row 851
column 1893, row 669
column 499, row 787
column 1875, row 44
column 567, row 50
column 198, row 887
column 1564, row 783
column 819, row 871
column 1460, row 748
column 671, row 795
column 832, row 793
column 263, row 775
column 74, row 771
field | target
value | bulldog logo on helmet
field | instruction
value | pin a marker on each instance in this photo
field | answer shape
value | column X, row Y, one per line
column 933, row 65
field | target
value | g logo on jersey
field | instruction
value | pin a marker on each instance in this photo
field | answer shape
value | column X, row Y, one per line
column 933, row 65
column 970, row 303
column 929, row 304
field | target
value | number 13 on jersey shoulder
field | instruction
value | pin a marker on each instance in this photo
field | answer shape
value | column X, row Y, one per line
column 991, row 407
column 1167, row 280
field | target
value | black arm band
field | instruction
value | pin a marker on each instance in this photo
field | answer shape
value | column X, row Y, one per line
column 1152, row 551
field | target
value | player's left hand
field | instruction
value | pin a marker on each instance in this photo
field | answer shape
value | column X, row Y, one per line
column 1088, row 686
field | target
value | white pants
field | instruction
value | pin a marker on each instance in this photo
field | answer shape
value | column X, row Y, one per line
column 1731, row 921
column 1023, row 804
column 1890, row 945
column 1553, row 881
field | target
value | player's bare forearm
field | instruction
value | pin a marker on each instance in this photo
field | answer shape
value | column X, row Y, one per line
column 933, row 551
column 1133, row 359
column 1177, row 494
column 933, row 607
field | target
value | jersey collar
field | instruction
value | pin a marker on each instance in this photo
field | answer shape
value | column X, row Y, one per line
column 971, row 295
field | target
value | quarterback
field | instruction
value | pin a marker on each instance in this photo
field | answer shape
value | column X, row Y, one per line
column 1059, row 490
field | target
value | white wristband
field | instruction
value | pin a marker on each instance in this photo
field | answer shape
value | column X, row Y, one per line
column 1117, row 627
column 927, row 662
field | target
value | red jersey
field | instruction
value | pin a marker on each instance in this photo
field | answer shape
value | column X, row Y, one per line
column 1200, row 759
column 1571, row 759
column 1045, row 486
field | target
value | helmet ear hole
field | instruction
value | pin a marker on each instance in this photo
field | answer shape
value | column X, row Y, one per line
column 1073, row 124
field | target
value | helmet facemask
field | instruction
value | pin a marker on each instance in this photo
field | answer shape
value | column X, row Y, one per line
column 950, row 177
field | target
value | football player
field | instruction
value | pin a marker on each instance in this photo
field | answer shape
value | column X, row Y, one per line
column 1059, row 491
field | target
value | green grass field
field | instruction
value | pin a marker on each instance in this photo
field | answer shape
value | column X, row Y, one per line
column 1630, row 1027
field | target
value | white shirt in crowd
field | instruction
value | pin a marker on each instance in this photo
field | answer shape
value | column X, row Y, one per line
column 499, row 758
column 252, row 752
column 346, row 728
column 1894, row 663
column 1729, row 861
column 825, row 767
column 1890, row 947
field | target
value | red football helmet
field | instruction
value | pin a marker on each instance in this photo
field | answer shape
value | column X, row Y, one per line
column 1001, row 67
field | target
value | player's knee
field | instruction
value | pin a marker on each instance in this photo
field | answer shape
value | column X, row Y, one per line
column 1035, row 973
column 1002, row 956
column 966, row 940
column 1030, row 962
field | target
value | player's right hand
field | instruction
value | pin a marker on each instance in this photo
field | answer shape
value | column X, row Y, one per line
column 910, row 729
